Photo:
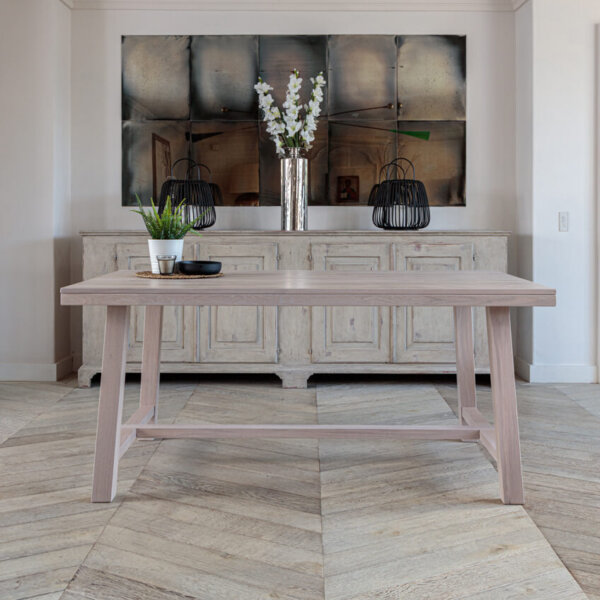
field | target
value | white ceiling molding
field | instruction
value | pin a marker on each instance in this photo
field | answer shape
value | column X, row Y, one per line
column 299, row 5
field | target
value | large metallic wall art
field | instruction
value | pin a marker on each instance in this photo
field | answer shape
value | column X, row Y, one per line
column 386, row 96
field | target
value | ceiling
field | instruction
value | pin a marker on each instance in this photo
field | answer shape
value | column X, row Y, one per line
column 299, row 5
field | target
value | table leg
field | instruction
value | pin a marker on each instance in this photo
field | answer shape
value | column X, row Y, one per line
column 465, row 359
column 151, row 359
column 504, row 397
column 110, row 406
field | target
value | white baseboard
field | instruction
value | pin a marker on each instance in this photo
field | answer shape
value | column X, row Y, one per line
column 36, row 371
column 556, row 373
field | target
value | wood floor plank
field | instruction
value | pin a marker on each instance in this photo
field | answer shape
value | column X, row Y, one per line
column 224, row 561
column 23, row 401
column 37, row 585
column 178, row 579
column 94, row 584
column 225, row 521
column 209, row 539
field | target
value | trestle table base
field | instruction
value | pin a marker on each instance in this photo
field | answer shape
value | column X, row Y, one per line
column 501, row 440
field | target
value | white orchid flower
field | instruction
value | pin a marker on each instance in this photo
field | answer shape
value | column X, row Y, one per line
column 262, row 87
column 291, row 128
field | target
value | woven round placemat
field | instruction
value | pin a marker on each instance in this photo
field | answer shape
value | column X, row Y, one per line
column 151, row 275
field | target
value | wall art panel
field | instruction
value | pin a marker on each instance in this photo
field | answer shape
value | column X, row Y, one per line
column 149, row 150
column 156, row 77
column 279, row 53
column 387, row 96
column 223, row 71
column 431, row 77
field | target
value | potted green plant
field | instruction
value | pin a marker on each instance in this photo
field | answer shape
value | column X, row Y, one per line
column 166, row 229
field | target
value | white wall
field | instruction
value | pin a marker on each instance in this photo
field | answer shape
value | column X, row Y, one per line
column 531, row 153
column 96, row 119
column 564, row 171
column 97, row 108
column 34, row 129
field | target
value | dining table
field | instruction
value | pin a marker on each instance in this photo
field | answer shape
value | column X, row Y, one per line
column 461, row 290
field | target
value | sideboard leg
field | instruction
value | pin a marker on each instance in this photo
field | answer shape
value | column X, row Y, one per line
column 149, row 391
column 294, row 379
column 504, row 397
column 85, row 376
column 465, row 359
column 110, row 406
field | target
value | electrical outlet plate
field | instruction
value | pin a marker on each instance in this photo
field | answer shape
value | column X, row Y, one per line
column 563, row 221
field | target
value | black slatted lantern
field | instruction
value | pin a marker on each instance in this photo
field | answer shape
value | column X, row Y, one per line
column 399, row 203
column 373, row 195
column 198, row 195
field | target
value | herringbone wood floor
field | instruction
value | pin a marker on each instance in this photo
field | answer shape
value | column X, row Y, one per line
column 297, row 519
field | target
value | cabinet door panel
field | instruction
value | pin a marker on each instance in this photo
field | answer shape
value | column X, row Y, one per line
column 347, row 333
column 178, row 321
column 238, row 333
column 426, row 334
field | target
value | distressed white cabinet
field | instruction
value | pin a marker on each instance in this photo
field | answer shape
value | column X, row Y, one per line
column 296, row 342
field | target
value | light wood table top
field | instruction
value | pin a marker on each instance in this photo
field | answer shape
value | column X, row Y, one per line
column 310, row 288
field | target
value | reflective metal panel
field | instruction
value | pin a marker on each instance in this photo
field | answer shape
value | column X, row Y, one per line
column 439, row 161
column 230, row 151
column 149, row 150
column 357, row 151
column 362, row 77
column 156, row 81
column 224, row 69
column 431, row 77
column 386, row 96
column 279, row 54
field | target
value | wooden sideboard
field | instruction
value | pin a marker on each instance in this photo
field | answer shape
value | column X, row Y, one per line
column 296, row 342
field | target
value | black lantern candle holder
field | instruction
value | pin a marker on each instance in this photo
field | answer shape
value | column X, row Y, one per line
column 198, row 195
column 399, row 203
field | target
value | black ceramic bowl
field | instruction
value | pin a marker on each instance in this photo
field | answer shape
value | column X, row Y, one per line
column 199, row 267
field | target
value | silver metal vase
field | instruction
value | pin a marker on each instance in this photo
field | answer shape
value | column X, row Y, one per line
column 294, row 190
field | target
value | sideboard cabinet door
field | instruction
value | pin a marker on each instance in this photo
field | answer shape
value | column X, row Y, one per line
column 343, row 334
column 426, row 334
column 238, row 334
column 178, row 321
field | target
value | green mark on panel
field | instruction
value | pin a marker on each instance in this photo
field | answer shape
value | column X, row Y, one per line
column 422, row 135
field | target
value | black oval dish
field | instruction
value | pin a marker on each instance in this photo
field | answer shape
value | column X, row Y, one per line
column 199, row 267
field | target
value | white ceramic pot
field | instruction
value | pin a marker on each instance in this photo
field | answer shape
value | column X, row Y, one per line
column 159, row 247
